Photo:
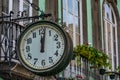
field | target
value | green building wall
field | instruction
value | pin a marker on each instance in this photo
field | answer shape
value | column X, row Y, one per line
column 101, row 7
column 59, row 12
column 89, row 19
column 42, row 5
column 1, row 78
column 118, row 6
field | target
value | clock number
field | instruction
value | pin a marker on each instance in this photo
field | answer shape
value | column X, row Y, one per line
column 29, row 57
column 35, row 60
column 27, row 48
column 56, row 37
column 34, row 34
column 58, row 44
column 49, row 32
column 29, row 41
column 42, row 31
column 56, row 53
column 50, row 60
column 43, row 62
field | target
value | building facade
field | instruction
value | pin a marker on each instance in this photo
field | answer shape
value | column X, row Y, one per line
column 93, row 22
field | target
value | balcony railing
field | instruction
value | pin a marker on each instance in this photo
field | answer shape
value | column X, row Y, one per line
column 9, row 32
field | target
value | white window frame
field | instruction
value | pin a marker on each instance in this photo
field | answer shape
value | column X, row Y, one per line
column 111, row 35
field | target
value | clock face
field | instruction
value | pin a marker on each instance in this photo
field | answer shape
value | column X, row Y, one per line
column 41, row 47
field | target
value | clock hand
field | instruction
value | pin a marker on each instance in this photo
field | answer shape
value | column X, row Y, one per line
column 42, row 41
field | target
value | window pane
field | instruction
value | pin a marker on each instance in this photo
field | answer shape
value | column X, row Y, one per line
column 26, row 8
column 70, row 18
column 71, row 30
column 64, row 15
column 5, row 6
column 76, row 7
column 113, row 18
column 64, row 4
column 70, row 6
column 107, row 11
column 77, row 31
column 15, row 8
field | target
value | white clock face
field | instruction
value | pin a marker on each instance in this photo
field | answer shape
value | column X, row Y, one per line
column 42, row 46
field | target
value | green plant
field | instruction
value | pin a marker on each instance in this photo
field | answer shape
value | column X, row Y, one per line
column 96, row 57
column 118, row 68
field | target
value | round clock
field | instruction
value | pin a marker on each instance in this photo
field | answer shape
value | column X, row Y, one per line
column 44, row 48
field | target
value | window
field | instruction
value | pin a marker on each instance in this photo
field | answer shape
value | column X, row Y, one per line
column 110, row 34
column 4, row 6
column 4, row 9
column 71, row 19
column 26, row 6
column 16, row 8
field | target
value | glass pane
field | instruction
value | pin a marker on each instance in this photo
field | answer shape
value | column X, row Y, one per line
column 70, row 25
column 109, row 40
column 64, row 15
column 15, row 8
column 26, row 9
column 114, row 47
column 70, row 18
column 107, row 11
column 77, row 31
column 64, row 4
column 76, row 7
column 70, row 6
column 5, row 6
column 113, row 20
column 114, row 41
column 71, row 30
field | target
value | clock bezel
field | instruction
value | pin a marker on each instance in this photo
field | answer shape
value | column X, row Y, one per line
column 59, row 63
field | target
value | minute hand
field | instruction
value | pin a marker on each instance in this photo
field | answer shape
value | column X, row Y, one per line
column 42, row 41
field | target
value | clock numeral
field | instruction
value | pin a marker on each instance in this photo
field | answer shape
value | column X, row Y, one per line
column 49, row 32
column 29, row 57
column 43, row 62
column 56, row 37
column 35, row 60
column 58, row 44
column 50, row 60
column 42, row 31
column 27, row 48
column 29, row 41
column 56, row 53
column 34, row 34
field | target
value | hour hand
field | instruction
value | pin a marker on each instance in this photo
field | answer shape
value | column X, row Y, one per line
column 42, row 41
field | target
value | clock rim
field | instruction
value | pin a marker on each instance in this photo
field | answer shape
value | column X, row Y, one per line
column 55, row 65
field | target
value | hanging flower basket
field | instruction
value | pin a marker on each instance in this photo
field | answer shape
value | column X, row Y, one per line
column 96, row 57
column 79, row 76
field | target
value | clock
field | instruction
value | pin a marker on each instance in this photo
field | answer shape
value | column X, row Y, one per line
column 44, row 48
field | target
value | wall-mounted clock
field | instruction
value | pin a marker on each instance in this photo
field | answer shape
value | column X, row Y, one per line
column 44, row 48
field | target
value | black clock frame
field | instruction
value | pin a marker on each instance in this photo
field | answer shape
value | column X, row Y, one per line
column 63, row 62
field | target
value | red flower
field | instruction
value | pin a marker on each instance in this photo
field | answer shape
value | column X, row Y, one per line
column 79, row 76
